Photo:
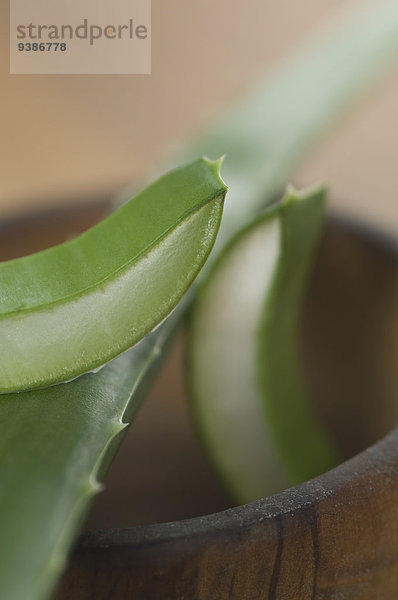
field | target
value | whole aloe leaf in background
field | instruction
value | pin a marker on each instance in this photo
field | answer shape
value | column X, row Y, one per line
column 278, row 122
column 263, row 138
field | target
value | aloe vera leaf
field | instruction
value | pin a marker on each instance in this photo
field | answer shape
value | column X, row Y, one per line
column 261, row 439
column 277, row 123
column 54, row 448
column 302, row 444
column 74, row 307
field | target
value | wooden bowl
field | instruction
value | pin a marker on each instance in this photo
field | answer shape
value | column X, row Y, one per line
column 335, row 537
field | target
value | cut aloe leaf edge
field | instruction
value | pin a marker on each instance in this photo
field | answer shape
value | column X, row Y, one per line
column 246, row 317
column 70, row 309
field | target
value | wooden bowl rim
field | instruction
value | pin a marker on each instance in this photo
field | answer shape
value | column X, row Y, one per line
column 377, row 458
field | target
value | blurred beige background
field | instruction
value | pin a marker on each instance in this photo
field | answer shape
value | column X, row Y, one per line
column 66, row 135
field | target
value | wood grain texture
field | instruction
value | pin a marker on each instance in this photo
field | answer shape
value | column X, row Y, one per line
column 333, row 538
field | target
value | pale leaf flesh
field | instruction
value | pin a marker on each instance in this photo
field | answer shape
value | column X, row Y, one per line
column 248, row 399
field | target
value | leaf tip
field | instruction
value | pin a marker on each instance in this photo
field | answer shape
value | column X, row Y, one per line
column 215, row 166
column 318, row 192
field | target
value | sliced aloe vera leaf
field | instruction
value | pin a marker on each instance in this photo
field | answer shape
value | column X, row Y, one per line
column 74, row 307
column 244, row 326
column 55, row 446
column 301, row 442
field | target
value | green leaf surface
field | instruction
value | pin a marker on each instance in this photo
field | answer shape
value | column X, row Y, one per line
column 72, row 308
column 300, row 441
column 54, row 447
column 261, row 438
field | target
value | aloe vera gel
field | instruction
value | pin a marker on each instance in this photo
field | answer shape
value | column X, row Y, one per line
column 247, row 394
column 74, row 307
